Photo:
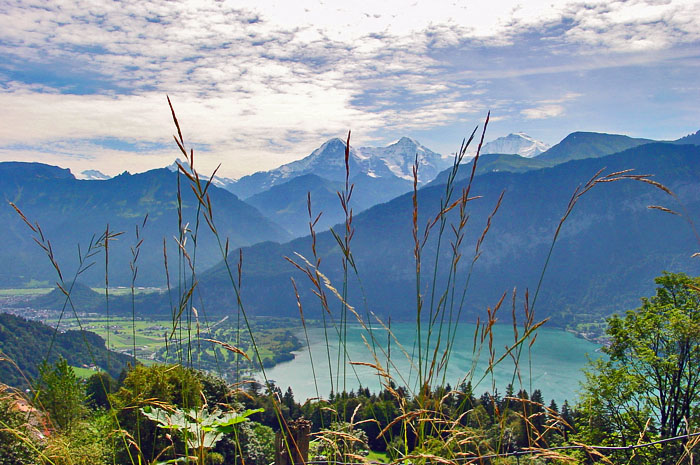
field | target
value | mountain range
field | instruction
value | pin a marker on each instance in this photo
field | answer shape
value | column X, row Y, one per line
column 328, row 162
column 73, row 212
column 575, row 146
column 609, row 250
column 596, row 266
column 378, row 174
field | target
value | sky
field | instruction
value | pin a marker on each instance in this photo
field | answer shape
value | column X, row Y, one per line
column 256, row 84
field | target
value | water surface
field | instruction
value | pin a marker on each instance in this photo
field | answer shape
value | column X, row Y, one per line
column 552, row 364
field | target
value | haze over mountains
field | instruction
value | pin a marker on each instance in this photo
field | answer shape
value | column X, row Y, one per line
column 596, row 267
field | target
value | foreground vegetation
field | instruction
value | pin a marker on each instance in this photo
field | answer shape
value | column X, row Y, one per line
column 633, row 404
column 647, row 390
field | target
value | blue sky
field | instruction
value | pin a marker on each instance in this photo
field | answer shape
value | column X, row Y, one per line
column 260, row 83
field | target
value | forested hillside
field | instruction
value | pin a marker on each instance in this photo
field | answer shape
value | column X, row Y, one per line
column 595, row 268
column 73, row 214
column 29, row 343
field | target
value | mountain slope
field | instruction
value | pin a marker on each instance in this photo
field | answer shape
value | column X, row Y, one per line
column 492, row 163
column 690, row 139
column 73, row 212
column 397, row 159
column 608, row 252
column 578, row 145
column 287, row 203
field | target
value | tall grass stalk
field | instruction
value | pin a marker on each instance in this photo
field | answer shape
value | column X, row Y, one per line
column 199, row 189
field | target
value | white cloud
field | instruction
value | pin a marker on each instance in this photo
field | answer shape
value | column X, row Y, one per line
column 549, row 108
column 636, row 25
column 543, row 111
column 262, row 82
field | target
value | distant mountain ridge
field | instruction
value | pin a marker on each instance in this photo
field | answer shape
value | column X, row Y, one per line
column 493, row 163
column 693, row 138
column 398, row 158
column 73, row 212
column 286, row 203
column 575, row 146
column 578, row 145
column 93, row 175
column 218, row 181
column 23, row 171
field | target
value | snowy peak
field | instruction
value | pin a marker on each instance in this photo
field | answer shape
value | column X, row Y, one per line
column 93, row 175
column 394, row 160
column 173, row 167
column 397, row 158
column 517, row 143
column 328, row 162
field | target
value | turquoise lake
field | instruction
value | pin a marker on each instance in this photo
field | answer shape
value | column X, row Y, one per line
column 552, row 364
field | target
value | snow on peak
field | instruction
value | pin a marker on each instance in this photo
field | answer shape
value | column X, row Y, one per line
column 173, row 167
column 397, row 158
column 517, row 143
column 333, row 143
column 93, row 175
column 328, row 161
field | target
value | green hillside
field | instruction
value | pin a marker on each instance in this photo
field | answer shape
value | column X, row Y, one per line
column 578, row 145
column 27, row 344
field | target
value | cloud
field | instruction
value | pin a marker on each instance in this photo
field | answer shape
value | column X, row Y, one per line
column 636, row 25
column 543, row 111
column 261, row 83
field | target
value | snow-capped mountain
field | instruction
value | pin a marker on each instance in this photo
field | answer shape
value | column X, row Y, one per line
column 398, row 157
column 93, row 175
column 328, row 162
column 518, row 144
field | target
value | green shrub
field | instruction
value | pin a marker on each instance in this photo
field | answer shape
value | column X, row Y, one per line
column 159, row 385
column 61, row 393
column 89, row 442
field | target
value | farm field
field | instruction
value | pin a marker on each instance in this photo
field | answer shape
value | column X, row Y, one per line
column 158, row 341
